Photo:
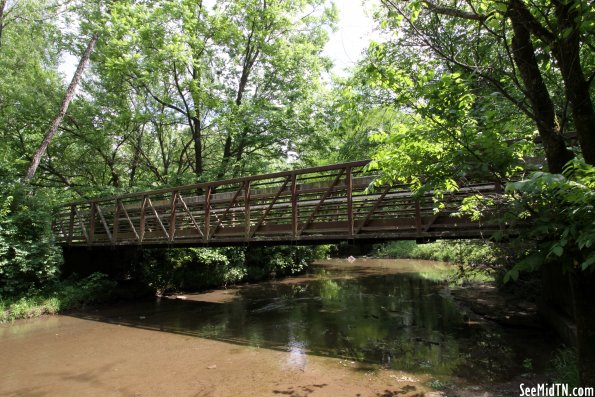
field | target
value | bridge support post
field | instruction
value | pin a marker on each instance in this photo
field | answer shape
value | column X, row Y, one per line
column 349, row 183
column 71, row 223
column 207, row 213
column 294, row 208
column 143, row 212
column 116, row 223
column 417, row 217
column 92, row 223
column 172, row 217
column 247, row 225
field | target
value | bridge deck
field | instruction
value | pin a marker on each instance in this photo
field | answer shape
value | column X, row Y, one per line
column 314, row 205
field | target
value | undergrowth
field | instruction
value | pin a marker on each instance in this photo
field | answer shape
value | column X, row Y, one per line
column 63, row 295
column 565, row 368
column 452, row 251
column 477, row 261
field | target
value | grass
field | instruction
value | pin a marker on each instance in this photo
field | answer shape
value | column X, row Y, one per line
column 61, row 296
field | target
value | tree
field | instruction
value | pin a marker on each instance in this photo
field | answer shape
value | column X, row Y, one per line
column 529, row 42
column 30, row 85
column 234, row 79
column 49, row 135
column 454, row 68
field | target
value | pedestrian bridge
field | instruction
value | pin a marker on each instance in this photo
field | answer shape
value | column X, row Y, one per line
column 307, row 206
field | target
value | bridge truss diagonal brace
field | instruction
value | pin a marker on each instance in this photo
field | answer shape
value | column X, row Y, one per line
column 268, row 209
column 107, row 230
column 82, row 224
column 230, row 205
column 192, row 219
column 158, row 218
column 132, row 227
column 322, row 199
column 373, row 209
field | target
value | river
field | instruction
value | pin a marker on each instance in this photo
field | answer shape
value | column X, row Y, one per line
column 367, row 328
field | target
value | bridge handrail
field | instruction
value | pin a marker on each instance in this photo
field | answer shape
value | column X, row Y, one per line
column 279, row 174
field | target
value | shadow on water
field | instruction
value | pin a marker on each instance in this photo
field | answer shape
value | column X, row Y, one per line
column 399, row 320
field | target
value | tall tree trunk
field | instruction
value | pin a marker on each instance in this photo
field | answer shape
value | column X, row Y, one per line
column 541, row 103
column 49, row 135
column 197, row 138
column 251, row 54
column 136, row 156
column 567, row 53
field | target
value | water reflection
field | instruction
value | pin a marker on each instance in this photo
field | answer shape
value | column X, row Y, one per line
column 391, row 318
column 297, row 358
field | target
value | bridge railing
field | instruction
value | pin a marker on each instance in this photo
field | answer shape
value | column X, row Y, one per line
column 326, row 203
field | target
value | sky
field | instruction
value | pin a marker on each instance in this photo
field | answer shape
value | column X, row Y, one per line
column 354, row 32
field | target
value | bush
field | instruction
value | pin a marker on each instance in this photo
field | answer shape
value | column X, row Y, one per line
column 557, row 212
column 60, row 296
column 477, row 261
column 280, row 261
column 565, row 368
column 199, row 268
column 28, row 256
column 464, row 252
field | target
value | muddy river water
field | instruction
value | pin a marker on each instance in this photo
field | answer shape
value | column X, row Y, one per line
column 367, row 328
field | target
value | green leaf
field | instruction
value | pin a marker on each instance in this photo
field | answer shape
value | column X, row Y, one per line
column 557, row 250
column 590, row 261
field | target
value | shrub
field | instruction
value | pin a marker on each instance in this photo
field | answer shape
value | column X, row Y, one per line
column 28, row 256
column 200, row 268
column 59, row 296
column 464, row 252
column 565, row 368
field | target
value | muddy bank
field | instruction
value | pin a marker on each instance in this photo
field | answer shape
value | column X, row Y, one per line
column 67, row 356
column 487, row 301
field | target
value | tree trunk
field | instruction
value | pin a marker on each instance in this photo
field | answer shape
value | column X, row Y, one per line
column 136, row 156
column 583, row 298
column 197, row 138
column 49, row 135
column 567, row 53
column 541, row 103
column 226, row 157
column 2, row 8
column 251, row 54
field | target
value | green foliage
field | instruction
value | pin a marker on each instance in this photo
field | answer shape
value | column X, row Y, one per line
column 60, row 296
column 76, row 293
column 200, row 268
column 477, row 261
column 28, row 256
column 558, row 212
column 465, row 252
column 281, row 260
column 565, row 368
column 449, row 131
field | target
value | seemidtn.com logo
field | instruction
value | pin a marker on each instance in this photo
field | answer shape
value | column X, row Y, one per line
column 555, row 390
